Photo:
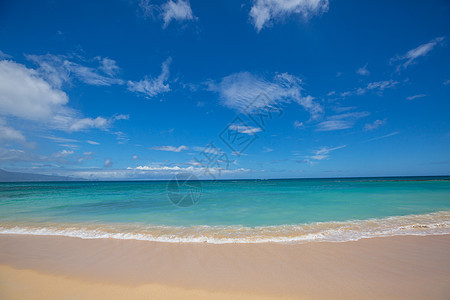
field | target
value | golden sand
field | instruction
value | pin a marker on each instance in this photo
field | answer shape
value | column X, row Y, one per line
column 44, row 267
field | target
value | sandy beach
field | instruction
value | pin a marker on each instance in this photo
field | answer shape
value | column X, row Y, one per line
column 50, row 267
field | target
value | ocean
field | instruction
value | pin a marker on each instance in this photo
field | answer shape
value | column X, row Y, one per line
column 229, row 211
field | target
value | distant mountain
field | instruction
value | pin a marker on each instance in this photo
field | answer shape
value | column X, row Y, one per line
column 6, row 176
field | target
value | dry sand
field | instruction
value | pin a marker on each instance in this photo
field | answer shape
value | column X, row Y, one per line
column 46, row 267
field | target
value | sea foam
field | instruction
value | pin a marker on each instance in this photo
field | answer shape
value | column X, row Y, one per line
column 426, row 224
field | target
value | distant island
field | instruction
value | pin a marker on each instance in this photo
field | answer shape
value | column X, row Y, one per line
column 6, row 176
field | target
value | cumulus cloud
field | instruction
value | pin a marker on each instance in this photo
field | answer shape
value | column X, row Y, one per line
column 170, row 148
column 340, row 122
column 412, row 55
column 244, row 91
column 10, row 134
column 151, row 87
column 26, row 94
column 179, row 10
column 3, row 55
column 176, row 11
column 263, row 12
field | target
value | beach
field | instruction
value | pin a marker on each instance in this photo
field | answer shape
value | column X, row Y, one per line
column 56, row 267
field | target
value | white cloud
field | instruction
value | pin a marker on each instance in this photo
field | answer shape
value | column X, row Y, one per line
column 320, row 154
column 108, row 163
column 245, row 91
column 412, row 55
column 176, row 11
column 323, row 153
column 10, row 134
column 92, row 142
column 108, row 66
column 363, row 71
column 170, row 148
column 151, row 87
column 3, row 55
column 15, row 155
column 135, row 157
column 382, row 137
column 377, row 86
column 416, row 96
column 59, row 139
column 264, row 11
column 85, row 123
column 171, row 170
column 25, row 94
column 375, row 125
column 245, row 129
column 63, row 154
column 58, row 69
column 340, row 122
column 121, row 117
column 298, row 124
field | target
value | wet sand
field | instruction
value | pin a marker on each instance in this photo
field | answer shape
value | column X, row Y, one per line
column 50, row 267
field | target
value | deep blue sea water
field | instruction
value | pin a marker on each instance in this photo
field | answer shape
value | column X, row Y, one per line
column 230, row 211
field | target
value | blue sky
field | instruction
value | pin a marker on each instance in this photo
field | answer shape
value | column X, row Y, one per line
column 140, row 89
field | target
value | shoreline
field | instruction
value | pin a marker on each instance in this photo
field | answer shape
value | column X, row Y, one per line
column 408, row 267
column 435, row 223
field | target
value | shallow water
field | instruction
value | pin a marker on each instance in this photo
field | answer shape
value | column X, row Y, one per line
column 230, row 211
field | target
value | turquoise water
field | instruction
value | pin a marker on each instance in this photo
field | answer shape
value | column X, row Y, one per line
column 230, row 211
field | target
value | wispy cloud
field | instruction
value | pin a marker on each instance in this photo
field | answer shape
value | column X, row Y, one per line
column 239, row 90
column 108, row 163
column 382, row 137
column 298, row 124
column 92, row 142
column 245, row 129
column 59, row 69
column 446, row 82
column 376, row 86
column 340, row 122
column 412, row 55
column 323, row 153
column 170, row 148
column 363, row 71
column 416, row 96
column 152, row 87
column 59, row 139
column 375, row 125
column 320, row 154
column 263, row 12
